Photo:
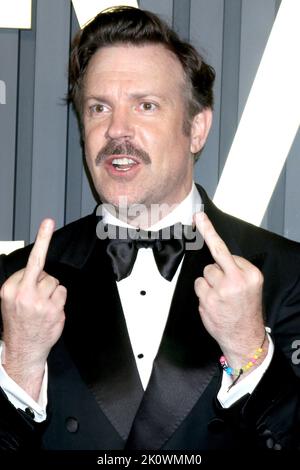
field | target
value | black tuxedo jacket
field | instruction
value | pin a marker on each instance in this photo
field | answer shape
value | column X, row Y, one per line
column 96, row 400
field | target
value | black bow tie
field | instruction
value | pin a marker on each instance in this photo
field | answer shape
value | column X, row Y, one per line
column 168, row 247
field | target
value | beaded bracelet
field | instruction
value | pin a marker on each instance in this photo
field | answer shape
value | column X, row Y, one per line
column 238, row 372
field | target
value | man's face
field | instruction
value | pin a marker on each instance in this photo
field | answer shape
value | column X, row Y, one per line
column 133, row 113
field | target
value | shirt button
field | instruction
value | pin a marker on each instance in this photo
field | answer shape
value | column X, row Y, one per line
column 72, row 424
column 140, row 356
column 216, row 425
column 143, row 292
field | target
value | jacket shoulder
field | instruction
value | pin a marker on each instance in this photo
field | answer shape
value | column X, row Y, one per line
column 75, row 234
column 248, row 237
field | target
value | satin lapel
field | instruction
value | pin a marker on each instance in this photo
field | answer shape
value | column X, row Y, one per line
column 98, row 341
column 185, row 364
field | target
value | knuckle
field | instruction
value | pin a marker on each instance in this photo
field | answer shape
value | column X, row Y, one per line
column 53, row 312
column 24, row 301
column 207, row 270
column 257, row 276
column 215, row 251
column 208, row 303
column 198, row 285
column 229, row 291
column 40, row 306
column 9, row 287
column 62, row 317
column 51, row 280
column 223, row 292
column 57, row 314
column 6, row 291
column 218, row 248
column 63, row 291
column 60, row 296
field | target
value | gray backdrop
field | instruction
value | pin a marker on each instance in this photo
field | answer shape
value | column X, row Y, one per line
column 41, row 172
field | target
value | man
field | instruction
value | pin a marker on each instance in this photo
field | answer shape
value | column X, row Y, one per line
column 130, row 355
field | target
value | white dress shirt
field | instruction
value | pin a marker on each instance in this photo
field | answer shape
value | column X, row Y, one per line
column 146, row 298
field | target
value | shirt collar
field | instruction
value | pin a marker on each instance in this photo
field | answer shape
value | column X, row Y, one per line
column 183, row 212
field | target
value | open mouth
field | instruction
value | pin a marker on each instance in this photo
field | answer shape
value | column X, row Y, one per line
column 123, row 163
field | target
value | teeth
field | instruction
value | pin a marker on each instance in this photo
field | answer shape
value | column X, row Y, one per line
column 123, row 161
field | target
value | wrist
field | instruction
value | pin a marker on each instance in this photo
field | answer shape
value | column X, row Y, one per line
column 238, row 370
column 28, row 379
column 22, row 366
column 22, row 356
column 239, row 353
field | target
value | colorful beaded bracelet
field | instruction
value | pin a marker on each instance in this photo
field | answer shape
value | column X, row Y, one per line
column 238, row 372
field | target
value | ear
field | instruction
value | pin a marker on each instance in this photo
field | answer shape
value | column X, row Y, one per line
column 200, row 129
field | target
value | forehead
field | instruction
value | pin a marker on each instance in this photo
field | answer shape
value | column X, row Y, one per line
column 141, row 65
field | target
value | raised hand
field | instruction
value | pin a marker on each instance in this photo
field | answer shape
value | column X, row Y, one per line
column 32, row 305
column 230, row 298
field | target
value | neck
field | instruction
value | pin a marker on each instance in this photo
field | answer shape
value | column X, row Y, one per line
column 142, row 216
column 156, row 216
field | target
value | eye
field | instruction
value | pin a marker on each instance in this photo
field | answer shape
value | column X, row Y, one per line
column 98, row 108
column 147, row 106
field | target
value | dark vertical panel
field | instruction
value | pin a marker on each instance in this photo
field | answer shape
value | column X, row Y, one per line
column 181, row 18
column 50, row 113
column 256, row 24
column 23, row 169
column 9, row 50
column 88, row 201
column 230, row 77
column 292, row 194
column 74, row 156
column 80, row 200
column 162, row 8
column 206, row 33
column 275, row 214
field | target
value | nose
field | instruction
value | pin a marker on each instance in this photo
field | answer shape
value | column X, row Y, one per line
column 120, row 124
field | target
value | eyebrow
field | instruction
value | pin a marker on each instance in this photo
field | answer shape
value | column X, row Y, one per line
column 95, row 97
column 134, row 96
column 145, row 94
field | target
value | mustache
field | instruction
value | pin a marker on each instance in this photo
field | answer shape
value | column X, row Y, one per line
column 115, row 147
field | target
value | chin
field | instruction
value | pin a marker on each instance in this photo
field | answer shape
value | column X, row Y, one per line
column 119, row 199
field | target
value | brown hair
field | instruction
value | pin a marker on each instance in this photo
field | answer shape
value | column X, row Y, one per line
column 128, row 25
